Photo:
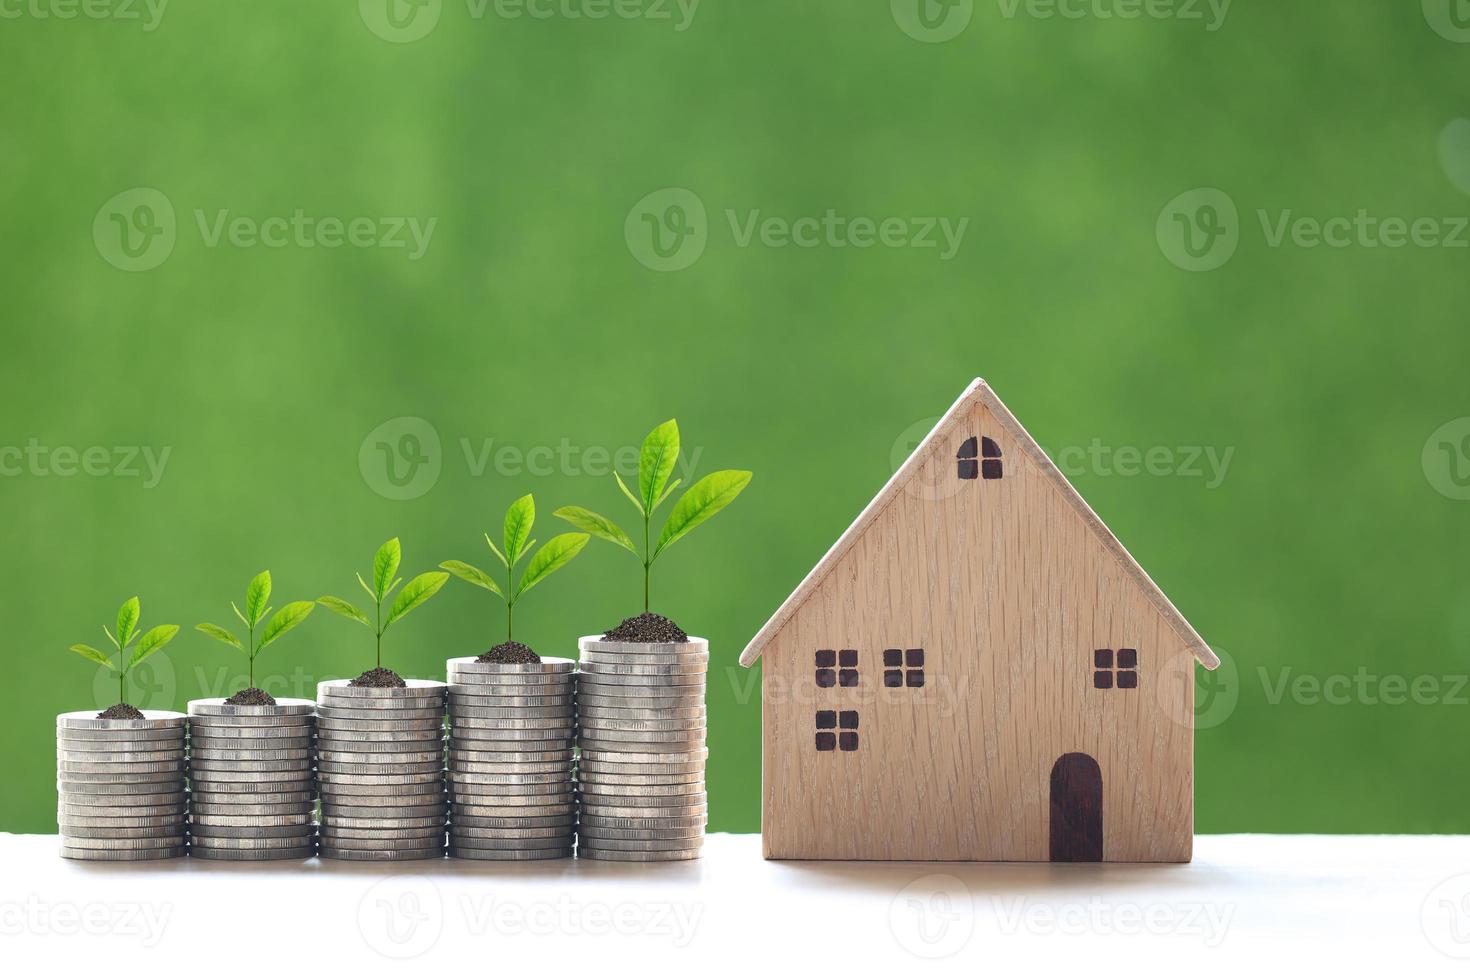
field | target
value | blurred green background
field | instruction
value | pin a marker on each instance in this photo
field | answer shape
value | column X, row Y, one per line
column 1325, row 544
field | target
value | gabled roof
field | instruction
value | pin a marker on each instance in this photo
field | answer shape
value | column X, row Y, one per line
column 978, row 391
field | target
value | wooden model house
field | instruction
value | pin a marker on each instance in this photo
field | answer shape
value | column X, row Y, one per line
column 978, row 671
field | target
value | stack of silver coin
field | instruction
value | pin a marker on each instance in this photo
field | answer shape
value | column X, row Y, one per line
column 642, row 739
column 380, row 764
column 512, row 729
column 120, row 786
column 252, row 781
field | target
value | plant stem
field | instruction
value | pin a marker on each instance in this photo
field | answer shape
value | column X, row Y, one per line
column 378, row 615
column 647, row 561
column 122, row 678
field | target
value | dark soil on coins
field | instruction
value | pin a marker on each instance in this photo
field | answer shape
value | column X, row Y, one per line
column 377, row 677
column 121, row 712
column 509, row 652
column 647, row 628
column 252, row 696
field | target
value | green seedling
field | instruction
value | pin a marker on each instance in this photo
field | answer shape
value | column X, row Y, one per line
column 418, row 591
column 706, row 498
column 257, row 608
column 517, row 543
column 128, row 633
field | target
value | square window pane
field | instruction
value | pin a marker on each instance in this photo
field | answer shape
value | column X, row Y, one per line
column 1128, row 679
column 847, row 678
column 914, row 658
column 1102, row 659
column 893, row 678
column 847, row 658
column 826, row 741
column 848, row 741
column 826, row 719
column 1103, row 680
column 826, row 658
column 848, row 719
column 893, row 658
column 1128, row 658
column 990, row 469
column 826, row 677
column 969, row 469
column 916, row 678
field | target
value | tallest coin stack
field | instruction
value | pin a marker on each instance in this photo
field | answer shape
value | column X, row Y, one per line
column 642, row 734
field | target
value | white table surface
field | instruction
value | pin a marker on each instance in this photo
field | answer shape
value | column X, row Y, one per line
column 1355, row 906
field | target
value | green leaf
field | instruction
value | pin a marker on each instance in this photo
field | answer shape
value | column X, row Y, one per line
column 701, row 502
column 419, row 590
column 385, row 566
column 518, row 520
column 656, row 463
column 626, row 492
column 491, row 543
column 344, row 608
column 127, row 621
column 472, row 575
column 153, row 641
column 91, row 653
column 239, row 615
column 365, row 587
column 597, row 526
column 553, row 555
column 292, row 615
column 111, row 637
column 220, row 633
column 256, row 597
column 668, row 491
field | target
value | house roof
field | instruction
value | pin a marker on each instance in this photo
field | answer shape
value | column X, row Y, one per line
column 978, row 391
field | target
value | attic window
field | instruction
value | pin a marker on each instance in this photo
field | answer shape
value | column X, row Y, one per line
column 979, row 456
column 903, row 668
column 837, row 730
column 1120, row 670
column 837, row 667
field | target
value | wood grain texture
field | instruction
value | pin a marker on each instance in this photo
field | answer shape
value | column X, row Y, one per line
column 1009, row 588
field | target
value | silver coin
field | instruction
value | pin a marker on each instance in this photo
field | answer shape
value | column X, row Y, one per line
column 336, row 853
column 459, row 811
column 412, row 688
column 156, row 854
column 331, row 800
column 490, row 699
column 554, row 712
column 388, row 823
column 602, row 854
column 303, row 836
column 624, row 686
column 596, row 644
column 648, row 749
column 205, row 786
column 273, row 736
column 110, row 753
column 600, row 712
column 499, row 731
column 500, row 719
column 68, row 811
column 649, row 725
column 252, row 833
column 216, row 707
column 119, row 768
column 662, row 824
column 173, row 794
column 251, row 820
column 259, row 854
column 556, row 820
column 641, row 834
column 619, row 757
column 392, row 794
column 384, row 779
column 415, row 706
column 198, row 742
column 354, row 836
column 425, row 741
column 150, row 719
column 605, row 810
column 382, row 758
column 592, row 702
column 252, row 809
column 468, row 778
column 229, row 799
column 488, row 741
column 594, row 657
column 243, row 772
column 641, row 846
column 250, row 755
column 546, row 665
column 643, row 741
column 466, row 838
column 390, row 807
column 426, row 717
column 599, row 668
column 508, row 793
column 512, row 762
column 426, row 732
column 117, row 843
column 694, row 798
column 632, row 773
column 380, row 770
column 124, row 833
column 479, row 854
column 84, row 737
column 118, row 774
column 640, row 790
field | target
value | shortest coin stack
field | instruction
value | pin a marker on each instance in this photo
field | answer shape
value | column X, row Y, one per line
column 251, row 779
column 511, row 731
column 120, row 786
column 642, row 738
column 381, row 768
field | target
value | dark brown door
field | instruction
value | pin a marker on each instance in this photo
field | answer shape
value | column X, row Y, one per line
column 1076, row 809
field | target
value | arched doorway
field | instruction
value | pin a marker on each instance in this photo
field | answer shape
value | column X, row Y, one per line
column 1076, row 809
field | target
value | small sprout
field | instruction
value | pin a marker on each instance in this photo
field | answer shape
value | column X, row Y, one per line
column 257, row 597
column 706, row 498
column 517, row 542
column 128, row 634
column 385, row 571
